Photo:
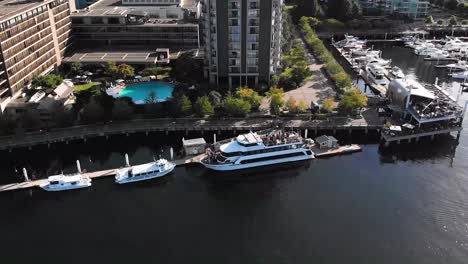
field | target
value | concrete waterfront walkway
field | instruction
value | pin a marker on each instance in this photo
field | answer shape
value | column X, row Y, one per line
column 369, row 121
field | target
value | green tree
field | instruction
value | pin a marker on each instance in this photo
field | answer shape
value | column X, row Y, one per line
column 251, row 96
column 110, row 69
column 183, row 105
column 50, row 81
column 429, row 20
column 276, row 96
column 440, row 22
column 121, row 110
column 353, row 100
column 453, row 21
column 302, row 106
column 236, row 107
column 203, row 106
column 125, row 70
column 328, row 105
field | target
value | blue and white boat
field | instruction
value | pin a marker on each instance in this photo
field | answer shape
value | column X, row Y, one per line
column 256, row 150
column 66, row 182
column 143, row 172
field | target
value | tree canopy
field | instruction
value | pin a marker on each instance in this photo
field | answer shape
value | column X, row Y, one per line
column 203, row 106
column 233, row 106
column 276, row 99
column 249, row 95
column 352, row 100
column 47, row 81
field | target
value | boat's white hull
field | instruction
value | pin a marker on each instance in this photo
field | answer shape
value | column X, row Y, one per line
column 125, row 180
column 47, row 187
column 233, row 167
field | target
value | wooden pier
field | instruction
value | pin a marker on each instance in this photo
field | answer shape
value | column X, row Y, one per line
column 92, row 175
column 340, row 150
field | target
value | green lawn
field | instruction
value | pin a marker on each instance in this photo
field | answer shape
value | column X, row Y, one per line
column 86, row 86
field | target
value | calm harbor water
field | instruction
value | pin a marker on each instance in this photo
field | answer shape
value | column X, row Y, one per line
column 398, row 205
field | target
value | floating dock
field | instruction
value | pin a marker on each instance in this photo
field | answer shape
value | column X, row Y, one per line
column 322, row 153
column 92, row 175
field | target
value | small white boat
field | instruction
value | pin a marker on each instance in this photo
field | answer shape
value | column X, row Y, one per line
column 425, row 51
column 459, row 66
column 437, row 55
column 396, row 73
column 144, row 172
column 460, row 75
column 66, row 182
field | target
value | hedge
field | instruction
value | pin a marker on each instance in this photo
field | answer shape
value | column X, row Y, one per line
column 338, row 75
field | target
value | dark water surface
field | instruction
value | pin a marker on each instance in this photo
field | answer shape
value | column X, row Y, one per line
column 397, row 205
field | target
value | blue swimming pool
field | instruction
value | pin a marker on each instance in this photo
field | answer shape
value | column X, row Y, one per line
column 139, row 92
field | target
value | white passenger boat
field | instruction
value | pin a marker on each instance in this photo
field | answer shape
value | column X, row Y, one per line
column 259, row 149
column 66, row 182
column 376, row 74
column 143, row 172
column 396, row 73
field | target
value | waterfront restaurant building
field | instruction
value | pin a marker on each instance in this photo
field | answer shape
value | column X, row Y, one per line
column 242, row 40
column 34, row 36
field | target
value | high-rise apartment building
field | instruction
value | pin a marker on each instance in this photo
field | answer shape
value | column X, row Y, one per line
column 33, row 38
column 242, row 40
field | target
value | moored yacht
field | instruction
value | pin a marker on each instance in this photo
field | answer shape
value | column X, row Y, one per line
column 375, row 73
column 143, row 172
column 66, row 182
column 259, row 149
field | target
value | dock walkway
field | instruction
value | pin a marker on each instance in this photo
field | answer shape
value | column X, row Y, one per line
column 321, row 153
column 185, row 125
column 92, row 175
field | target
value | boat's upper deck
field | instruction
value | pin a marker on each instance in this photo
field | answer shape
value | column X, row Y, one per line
column 257, row 141
column 65, row 178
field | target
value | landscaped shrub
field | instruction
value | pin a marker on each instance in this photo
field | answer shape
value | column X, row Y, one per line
column 341, row 79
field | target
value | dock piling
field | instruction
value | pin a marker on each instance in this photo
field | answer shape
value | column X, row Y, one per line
column 127, row 161
column 306, row 132
column 78, row 166
column 25, row 174
column 172, row 153
column 214, row 137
